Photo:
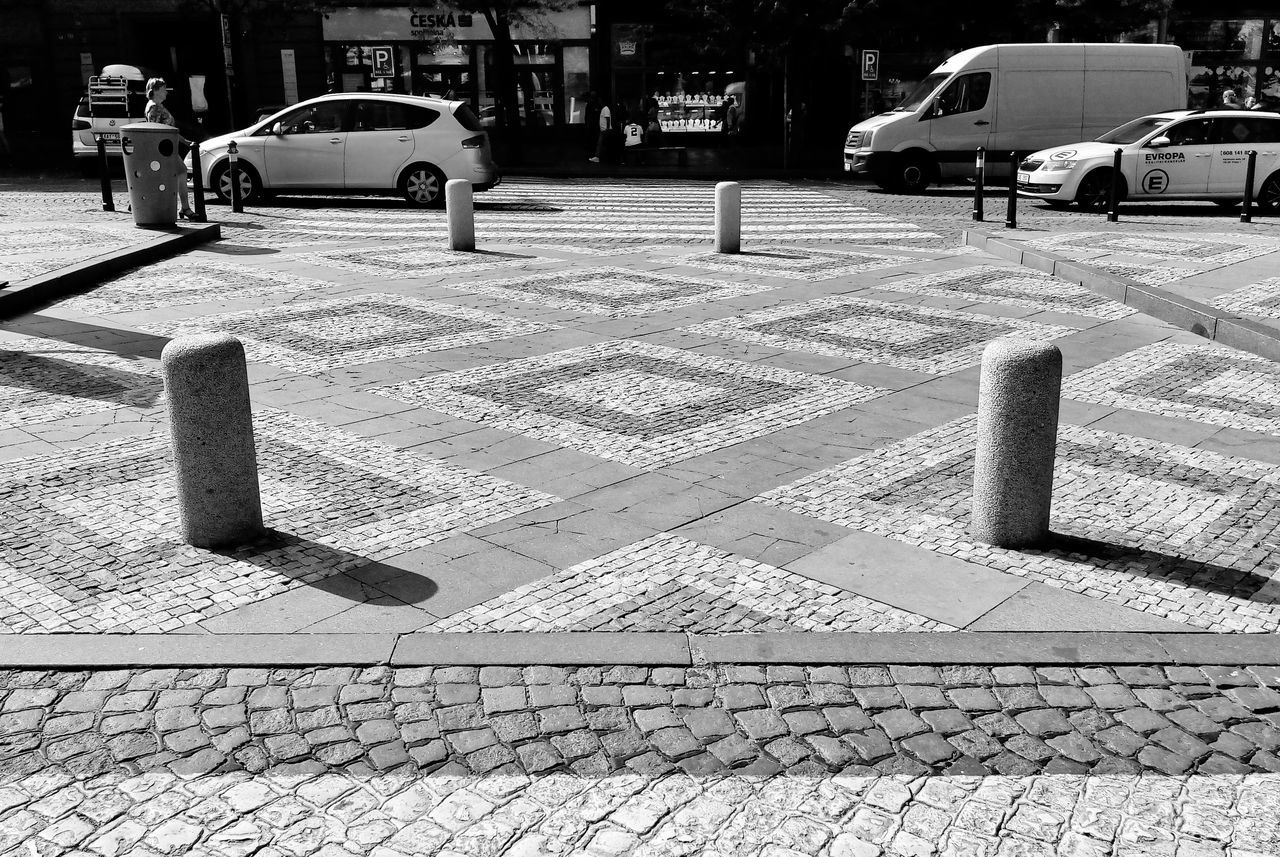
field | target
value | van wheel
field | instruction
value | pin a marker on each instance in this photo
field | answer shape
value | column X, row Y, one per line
column 1094, row 191
column 1269, row 195
column 914, row 173
column 250, row 184
column 423, row 185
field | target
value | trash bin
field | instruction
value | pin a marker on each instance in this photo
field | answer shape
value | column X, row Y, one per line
column 151, row 166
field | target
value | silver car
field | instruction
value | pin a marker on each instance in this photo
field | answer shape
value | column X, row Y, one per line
column 356, row 142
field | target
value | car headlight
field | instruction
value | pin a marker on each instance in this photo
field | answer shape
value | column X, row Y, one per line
column 866, row 139
column 1058, row 166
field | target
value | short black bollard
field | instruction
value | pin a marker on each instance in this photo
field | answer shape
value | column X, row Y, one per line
column 979, row 171
column 1246, row 213
column 197, row 185
column 1011, row 215
column 104, row 175
column 233, row 157
column 1113, row 198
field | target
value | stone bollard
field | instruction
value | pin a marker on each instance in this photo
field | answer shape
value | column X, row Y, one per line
column 1017, row 434
column 728, row 217
column 461, row 211
column 211, row 424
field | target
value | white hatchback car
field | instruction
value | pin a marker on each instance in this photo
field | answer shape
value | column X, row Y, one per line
column 1180, row 154
column 356, row 142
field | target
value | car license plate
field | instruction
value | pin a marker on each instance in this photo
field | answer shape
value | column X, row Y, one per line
column 110, row 138
column 1025, row 178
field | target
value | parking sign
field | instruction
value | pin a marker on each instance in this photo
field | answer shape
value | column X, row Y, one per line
column 383, row 62
column 870, row 65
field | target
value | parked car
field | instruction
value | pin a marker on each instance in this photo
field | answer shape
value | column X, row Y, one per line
column 356, row 142
column 1012, row 98
column 1178, row 154
column 113, row 99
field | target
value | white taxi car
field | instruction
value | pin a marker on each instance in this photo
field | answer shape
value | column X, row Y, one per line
column 355, row 142
column 1179, row 154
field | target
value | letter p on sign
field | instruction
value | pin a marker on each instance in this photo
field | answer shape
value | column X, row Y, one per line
column 383, row 62
column 870, row 65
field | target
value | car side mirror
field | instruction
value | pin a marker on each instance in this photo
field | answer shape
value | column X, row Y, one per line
column 278, row 129
column 1158, row 142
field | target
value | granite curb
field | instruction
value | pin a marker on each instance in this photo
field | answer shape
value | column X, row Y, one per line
column 21, row 296
column 1199, row 318
column 110, row 651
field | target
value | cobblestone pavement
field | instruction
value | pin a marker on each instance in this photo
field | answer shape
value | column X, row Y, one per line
column 774, row 760
column 515, row 438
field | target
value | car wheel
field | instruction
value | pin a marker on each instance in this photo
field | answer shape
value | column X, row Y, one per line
column 423, row 185
column 1269, row 195
column 1094, row 191
column 250, row 183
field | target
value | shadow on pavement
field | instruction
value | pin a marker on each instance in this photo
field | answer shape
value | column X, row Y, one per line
column 1154, row 565
column 125, row 343
column 55, row 375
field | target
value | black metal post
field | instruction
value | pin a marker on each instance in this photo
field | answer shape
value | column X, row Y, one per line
column 104, row 175
column 1113, row 199
column 197, row 184
column 1246, row 213
column 979, row 169
column 233, row 154
column 1011, row 215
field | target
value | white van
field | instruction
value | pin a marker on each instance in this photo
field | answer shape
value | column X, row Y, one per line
column 1007, row 98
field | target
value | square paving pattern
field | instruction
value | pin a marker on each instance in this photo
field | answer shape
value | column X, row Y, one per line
column 416, row 263
column 1213, row 249
column 612, row 292
column 906, row 337
column 185, row 281
column 1184, row 534
column 43, row 380
column 670, row 583
column 1260, row 299
column 1020, row 287
column 328, row 334
column 1207, row 383
column 93, row 542
column 634, row 403
column 810, row 264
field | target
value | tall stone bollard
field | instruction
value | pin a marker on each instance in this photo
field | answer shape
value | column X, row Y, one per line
column 207, row 387
column 1017, row 434
column 728, row 217
column 462, row 216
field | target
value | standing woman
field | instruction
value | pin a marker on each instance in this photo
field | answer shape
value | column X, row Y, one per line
column 157, row 92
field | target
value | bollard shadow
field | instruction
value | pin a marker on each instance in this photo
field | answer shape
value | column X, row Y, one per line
column 1152, row 565
column 534, row 207
column 238, row 249
column 298, row 558
column 129, row 344
column 47, row 374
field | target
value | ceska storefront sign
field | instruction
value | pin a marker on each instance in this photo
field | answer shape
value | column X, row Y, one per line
column 434, row 24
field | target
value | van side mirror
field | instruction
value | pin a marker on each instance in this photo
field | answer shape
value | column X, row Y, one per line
column 1158, row 142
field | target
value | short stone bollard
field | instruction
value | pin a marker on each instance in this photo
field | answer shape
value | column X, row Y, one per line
column 1017, row 435
column 211, row 425
column 728, row 217
column 461, row 212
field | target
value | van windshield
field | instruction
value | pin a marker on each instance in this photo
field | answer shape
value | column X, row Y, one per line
column 921, row 93
column 1132, row 132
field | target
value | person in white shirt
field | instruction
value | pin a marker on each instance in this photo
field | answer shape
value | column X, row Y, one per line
column 606, row 127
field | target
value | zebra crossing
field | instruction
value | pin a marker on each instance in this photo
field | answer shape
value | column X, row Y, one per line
column 611, row 215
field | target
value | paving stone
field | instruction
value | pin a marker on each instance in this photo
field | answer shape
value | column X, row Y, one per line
column 709, row 723
column 871, row 745
column 1044, row 721
column 1142, row 720
column 972, row 699
column 1111, row 696
column 846, row 719
column 1120, row 740
column 923, row 697
column 1256, row 699
column 1194, row 722
column 805, row 722
column 875, row 698
column 900, row 723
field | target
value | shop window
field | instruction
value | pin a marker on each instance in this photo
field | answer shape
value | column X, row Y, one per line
column 577, row 73
column 386, row 116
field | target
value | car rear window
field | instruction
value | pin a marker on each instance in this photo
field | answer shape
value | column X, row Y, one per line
column 467, row 118
column 1235, row 131
column 392, row 116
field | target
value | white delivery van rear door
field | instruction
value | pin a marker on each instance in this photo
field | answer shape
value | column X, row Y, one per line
column 1123, row 82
